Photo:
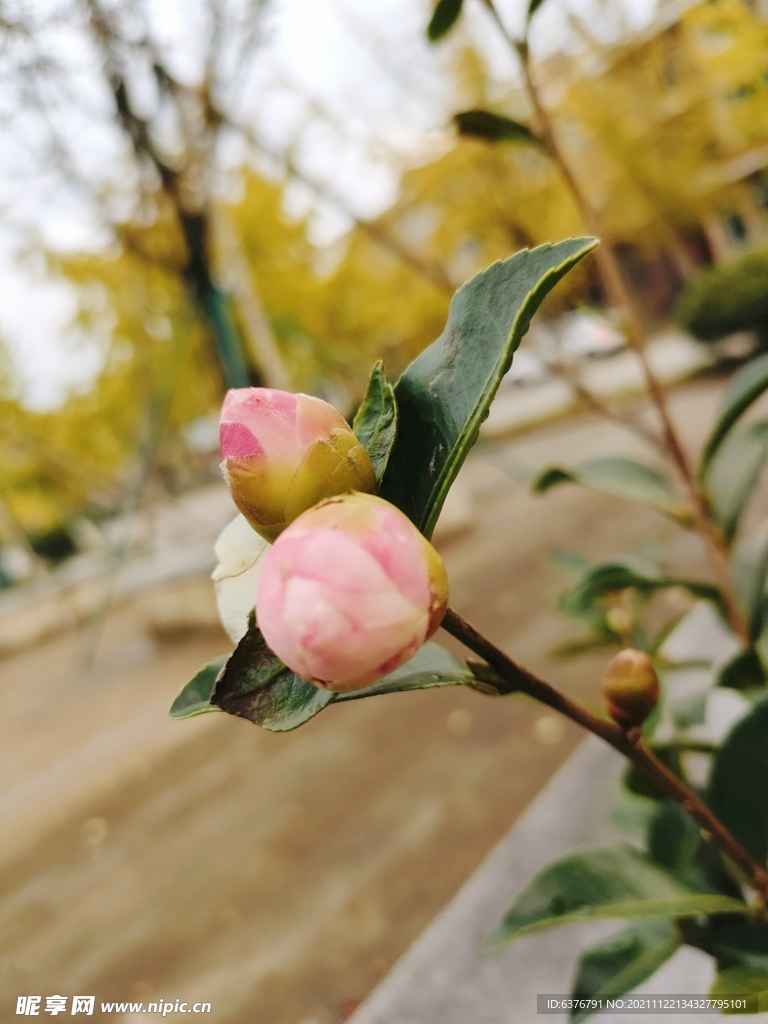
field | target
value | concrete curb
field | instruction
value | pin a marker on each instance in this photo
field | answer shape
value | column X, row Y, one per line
column 447, row 978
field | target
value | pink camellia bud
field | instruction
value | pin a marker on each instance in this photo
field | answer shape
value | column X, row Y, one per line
column 350, row 591
column 282, row 453
column 630, row 687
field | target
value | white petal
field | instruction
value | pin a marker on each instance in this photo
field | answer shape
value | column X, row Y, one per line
column 240, row 551
column 237, row 548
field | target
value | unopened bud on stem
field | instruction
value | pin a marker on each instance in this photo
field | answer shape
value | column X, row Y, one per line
column 630, row 688
column 283, row 453
column 350, row 591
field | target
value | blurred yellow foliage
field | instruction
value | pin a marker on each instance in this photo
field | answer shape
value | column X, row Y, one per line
column 667, row 131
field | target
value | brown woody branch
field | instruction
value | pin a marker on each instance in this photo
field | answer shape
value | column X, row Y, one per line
column 514, row 678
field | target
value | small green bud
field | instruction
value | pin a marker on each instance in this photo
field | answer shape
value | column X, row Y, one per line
column 630, row 688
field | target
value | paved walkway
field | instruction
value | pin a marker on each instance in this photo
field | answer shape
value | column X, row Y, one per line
column 280, row 877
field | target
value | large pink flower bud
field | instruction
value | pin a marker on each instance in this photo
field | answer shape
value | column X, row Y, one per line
column 350, row 592
column 283, row 453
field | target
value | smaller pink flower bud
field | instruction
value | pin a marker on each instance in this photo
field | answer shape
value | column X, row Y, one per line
column 350, row 591
column 630, row 687
column 283, row 453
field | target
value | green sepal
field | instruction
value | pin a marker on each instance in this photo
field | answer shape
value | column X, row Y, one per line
column 375, row 423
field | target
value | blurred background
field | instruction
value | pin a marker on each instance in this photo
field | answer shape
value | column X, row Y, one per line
column 202, row 195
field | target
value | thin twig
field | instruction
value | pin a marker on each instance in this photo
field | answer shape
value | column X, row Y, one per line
column 611, row 275
column 515, row 678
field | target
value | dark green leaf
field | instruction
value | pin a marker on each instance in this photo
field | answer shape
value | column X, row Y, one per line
column 533, row 6
column 743, row 672
column 623, row 478
column 738, row 785
column 733, row 473
column 375, row 424
column 445, row 393
column 642, row 784
column 749, row 569
column 615, row 881
column 444, row 17
column 622, row 962
column 482, row 124
column 744, row 388
column 742, row 981
column 674, row 840
column 194, row 698
column 737, row 942
column 606, row 579
column 256, row 685
column 431, row 666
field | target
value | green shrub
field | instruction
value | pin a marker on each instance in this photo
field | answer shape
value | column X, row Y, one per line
column 733, row 297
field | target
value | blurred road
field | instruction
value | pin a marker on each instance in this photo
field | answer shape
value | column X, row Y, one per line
column 279, row 877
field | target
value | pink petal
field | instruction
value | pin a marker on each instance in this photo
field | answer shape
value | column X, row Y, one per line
column 237, row 440
column 397, row 548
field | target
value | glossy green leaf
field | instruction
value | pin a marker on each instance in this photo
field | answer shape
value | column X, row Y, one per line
column 745, row 982
column 621, row 963
column 256, row 685
column 623, row 478
column 431, row 666
column 743, row 672
column 605, row 579
column 615, row 881
column 444, row 17
column 375, row 424
column 738, row 786
column 482, row 124
column 744, row 388
column 195, row 696
column 446, row 392
column 733, row 473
